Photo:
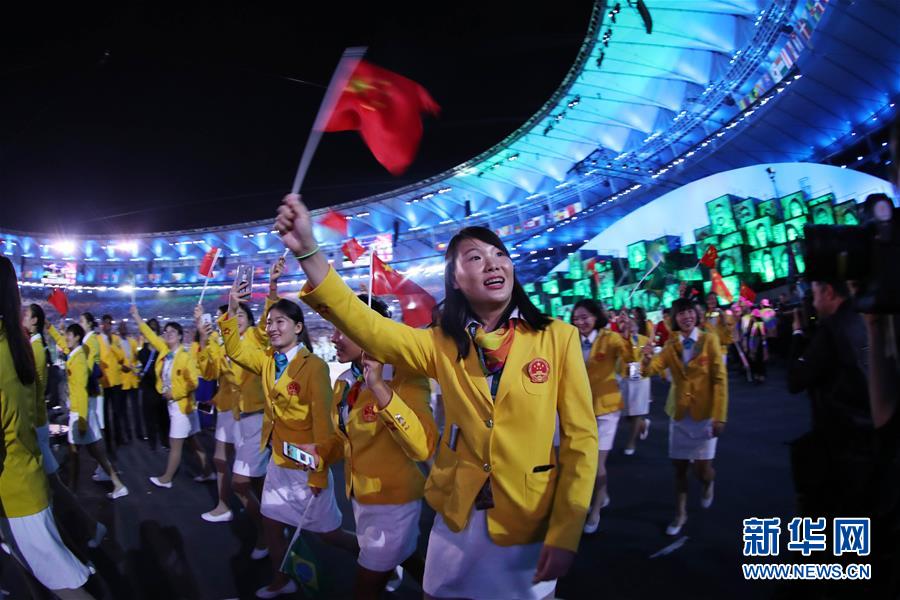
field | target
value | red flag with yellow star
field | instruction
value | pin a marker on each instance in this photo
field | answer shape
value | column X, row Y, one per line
column 416, row 303
column 386, row 109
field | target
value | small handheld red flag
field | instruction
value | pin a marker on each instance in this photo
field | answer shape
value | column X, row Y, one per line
column 335, row 221
column 709, row 257
column 352, row 249
column 386, row 109
column 59, row 301
column 209, row 262
column 719, row 287
column 747, row 293
column 416, row 303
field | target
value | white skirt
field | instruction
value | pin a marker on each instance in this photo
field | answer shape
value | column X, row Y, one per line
column 606, row 429
column 98, row 407
column 286, row 498
column 182, row 426
column 226, row 427
column 35, row 542
column 51, row 466
column 94, row 432
column 387, row 533
column 249, row 459
column 691, row 440
column 636, row 396
column 469, row 564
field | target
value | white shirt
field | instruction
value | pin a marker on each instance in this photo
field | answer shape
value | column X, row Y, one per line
column 685, row 353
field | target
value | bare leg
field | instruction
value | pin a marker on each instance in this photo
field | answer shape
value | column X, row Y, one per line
column 221, row 459
column 681, row 489
column 599, row 488
column 96, row 450
column 637, row 424
column 275, row 540
column 707, row 476
column 175, row 446
column 243, row 489
column 205, row 467
column 341, row 538
column 368, row 585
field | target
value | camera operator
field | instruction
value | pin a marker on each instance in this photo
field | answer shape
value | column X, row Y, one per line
column 832, row 463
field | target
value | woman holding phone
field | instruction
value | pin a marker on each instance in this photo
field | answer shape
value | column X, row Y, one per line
column 177, row 376
column 383, row 426
column 297, row 389
column 697, row 404
column 506, row 372
column 239, row 459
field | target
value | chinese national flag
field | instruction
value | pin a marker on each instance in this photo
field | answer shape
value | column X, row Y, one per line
column 208, row 262
column 386, row 109
column 335, row 221
column 59, row 301
column 709, row 257
column 719, row 287
column 416, row 303
column 352, row 249
column 591, row 267
column 747, row 293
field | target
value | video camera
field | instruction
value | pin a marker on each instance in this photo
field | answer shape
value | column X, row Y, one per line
column 868, row 254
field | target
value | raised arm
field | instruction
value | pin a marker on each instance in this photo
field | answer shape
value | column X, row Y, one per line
column 59, row 338
column 245, row 353
column 157, row 342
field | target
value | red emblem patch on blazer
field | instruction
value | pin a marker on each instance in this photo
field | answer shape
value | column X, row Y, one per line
column 369, row 415
column 702, row 361
column 538, row 370
column 600, row 356
column 226, row 330
column 293, row 388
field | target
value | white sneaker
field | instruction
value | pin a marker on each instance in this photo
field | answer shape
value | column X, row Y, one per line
column 289, row 588
column 628, row 451
column 155, row 481
column 707, row 499
column 605, row 502
column 205, row 478
column 646, row 432
column 99, row 534
column 259, row 553
column 396, row 579
column 223, row 518
column 119, row 493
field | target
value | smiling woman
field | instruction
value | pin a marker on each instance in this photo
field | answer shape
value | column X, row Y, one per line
column 501, row 403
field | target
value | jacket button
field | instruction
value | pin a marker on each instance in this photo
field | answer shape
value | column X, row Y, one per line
column 487, row 468
column 489, row 423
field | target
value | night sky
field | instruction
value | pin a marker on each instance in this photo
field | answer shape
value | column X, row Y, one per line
column 156, row 116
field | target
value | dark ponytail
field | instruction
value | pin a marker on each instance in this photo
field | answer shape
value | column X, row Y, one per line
column 11, row 313
column 38, row 313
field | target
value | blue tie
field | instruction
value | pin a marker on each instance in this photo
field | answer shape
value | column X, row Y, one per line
column 688, row 344
column 281, row 363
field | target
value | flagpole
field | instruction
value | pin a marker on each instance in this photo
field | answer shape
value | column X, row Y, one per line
column 348, row 62
column 371, row 275
column 203, row 291
column 646, row 275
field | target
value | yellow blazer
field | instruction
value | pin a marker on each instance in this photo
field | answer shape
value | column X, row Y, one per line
column 509, row 439
column 297, row 406
column 130, row 379
column 605, row 354
column 111, row 359
column 381, row 447
column 215, row 366
column 77, row 380
column 632, row 353
column 185, row 374
column 701, row 388
column 23, row 485
column 58, row 338
column 40, row 382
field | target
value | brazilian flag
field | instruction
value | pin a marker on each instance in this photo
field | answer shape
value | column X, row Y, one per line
column 301, row 565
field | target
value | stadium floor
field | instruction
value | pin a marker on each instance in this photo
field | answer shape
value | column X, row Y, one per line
column 158, row 547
